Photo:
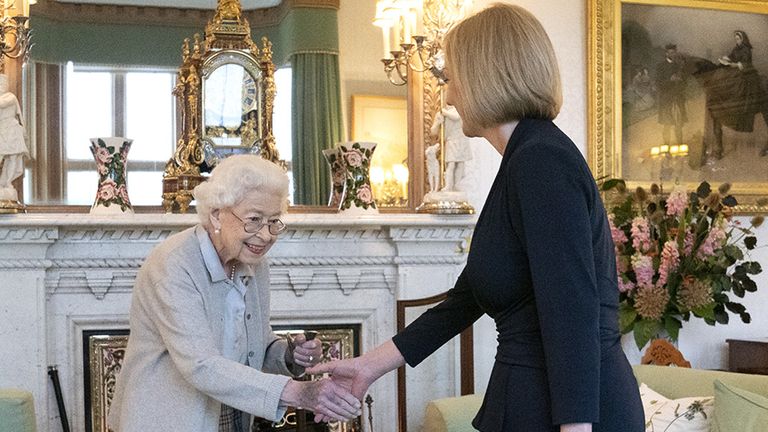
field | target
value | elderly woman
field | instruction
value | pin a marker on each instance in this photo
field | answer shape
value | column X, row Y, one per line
column 542, row 262
column 201, row 355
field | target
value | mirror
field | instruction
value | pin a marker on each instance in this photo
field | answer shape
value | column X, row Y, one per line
column 132, row 37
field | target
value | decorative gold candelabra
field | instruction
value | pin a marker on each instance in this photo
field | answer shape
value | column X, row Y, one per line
column 401, row 20
column 15, row 38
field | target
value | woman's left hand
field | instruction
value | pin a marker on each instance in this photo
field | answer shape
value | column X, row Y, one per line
column 307, row 353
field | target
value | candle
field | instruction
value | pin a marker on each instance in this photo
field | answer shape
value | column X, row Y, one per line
column 411, row 23
column 406, row 26
column 401, row 175
column 387, row 49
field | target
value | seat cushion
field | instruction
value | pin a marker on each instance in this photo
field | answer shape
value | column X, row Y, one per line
column 453, row 414
column 17, row 411
column 739, row 410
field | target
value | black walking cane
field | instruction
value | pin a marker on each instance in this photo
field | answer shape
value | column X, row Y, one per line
column 54, row 374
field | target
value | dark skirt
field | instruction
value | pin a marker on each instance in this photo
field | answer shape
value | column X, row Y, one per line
column 517, row 399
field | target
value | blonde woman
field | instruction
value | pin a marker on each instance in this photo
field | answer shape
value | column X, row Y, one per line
column 201, row 355
column 542, row 261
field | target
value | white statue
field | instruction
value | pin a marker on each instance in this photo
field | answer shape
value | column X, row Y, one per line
column 433, row 167
column 12, row 145
column 457, row 150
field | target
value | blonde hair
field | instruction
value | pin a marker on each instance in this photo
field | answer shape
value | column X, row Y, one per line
column 233, row 178
column 504, row 67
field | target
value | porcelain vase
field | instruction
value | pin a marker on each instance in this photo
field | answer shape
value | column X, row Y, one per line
column 338, row 176
column 356, row 158
column 111, row 156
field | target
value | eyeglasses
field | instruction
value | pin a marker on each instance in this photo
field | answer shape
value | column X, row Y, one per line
column 255, row 224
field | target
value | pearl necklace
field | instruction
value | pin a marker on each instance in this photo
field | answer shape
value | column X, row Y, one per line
column 232, row 272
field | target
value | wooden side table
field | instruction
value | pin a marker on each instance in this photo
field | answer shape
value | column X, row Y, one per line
column 748, row 355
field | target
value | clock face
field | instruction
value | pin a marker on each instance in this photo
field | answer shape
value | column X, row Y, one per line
column 250, row 93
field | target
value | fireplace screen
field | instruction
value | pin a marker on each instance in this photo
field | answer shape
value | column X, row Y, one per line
column 104, row 351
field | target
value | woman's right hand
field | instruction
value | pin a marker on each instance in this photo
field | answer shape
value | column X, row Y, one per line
column 324, row 397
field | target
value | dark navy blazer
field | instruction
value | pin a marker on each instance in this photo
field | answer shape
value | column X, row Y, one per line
column 542, row 266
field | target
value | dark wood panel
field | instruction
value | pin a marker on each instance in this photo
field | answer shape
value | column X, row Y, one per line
column 748, row 356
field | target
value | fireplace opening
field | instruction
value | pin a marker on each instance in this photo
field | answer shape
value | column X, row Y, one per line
column 104, row 351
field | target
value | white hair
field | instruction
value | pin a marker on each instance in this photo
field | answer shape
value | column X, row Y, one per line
column 236, row 176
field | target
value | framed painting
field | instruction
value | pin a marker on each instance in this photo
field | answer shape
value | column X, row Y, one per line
column 384, row 120
column 677, row 94
column 104, row 351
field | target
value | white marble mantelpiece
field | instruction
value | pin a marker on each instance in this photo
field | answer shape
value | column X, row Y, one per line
column 62, row 274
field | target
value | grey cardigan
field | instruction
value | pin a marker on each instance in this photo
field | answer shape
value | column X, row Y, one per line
column 174, row 376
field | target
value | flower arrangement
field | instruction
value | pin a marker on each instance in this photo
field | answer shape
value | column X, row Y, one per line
column 677, row 256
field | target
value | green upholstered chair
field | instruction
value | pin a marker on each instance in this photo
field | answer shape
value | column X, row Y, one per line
column 17, row 411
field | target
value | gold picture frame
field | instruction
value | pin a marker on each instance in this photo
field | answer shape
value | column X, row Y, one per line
column 384, row 120
column 105, row 354
column 622, row 132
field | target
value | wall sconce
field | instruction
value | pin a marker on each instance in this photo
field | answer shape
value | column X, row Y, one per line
column 15, row 34
column 413, row 32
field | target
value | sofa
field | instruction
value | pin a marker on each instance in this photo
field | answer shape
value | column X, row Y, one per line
column 455, row 414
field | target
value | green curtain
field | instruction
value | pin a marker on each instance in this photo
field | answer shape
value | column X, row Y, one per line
column 316, row 123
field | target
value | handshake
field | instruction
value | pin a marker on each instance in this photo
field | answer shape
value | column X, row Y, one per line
column 337, row 396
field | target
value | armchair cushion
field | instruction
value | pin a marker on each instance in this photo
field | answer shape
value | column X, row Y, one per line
column 17, row 411
column 453, row 414
column 738, row 410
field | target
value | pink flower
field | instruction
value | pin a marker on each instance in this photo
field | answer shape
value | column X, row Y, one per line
column 643, row 266
column 714, row 241
column 677, row 203
column 641, row 234
column 364, row 194
column 107, row 190
column 122, row 192
column 103, row 155
column 338, row 176
column 354, row 158
column 688, row 243
column 625, row 286
column 617, row 235
column 670, row 259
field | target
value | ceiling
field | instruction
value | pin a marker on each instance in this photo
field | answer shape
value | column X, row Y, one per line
column 180, row 4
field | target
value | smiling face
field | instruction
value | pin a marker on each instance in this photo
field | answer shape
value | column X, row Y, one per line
column 232, row 243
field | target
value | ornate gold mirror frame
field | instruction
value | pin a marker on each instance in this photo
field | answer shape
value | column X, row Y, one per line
column 227, row 32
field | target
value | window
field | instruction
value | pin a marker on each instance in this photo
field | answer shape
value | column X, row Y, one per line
column 136, row 104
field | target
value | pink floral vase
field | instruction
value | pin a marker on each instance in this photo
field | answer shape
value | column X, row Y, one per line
column 338, row 176
column 111, row 156
column 356, row 157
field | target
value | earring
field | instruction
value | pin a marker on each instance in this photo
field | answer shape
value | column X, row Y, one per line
column 217, row 231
